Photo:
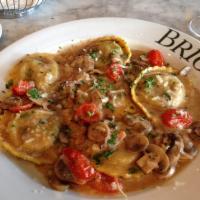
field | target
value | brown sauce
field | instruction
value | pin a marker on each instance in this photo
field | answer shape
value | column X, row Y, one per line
column 120, row 104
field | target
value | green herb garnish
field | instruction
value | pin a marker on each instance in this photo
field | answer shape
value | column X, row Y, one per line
column 101, row 156
column 103, row 86
column 90, row 113
column 113, row 138
column 149, row 82
column 134, row 170
column 112, row 124
column 109, row 106
column 107, row 154
column 51, row 101
column 34, row 93
column 94, row 55
column 150, row 135
column 9, row 84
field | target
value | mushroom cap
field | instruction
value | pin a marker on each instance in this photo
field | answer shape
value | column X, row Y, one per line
column 163, row 158
column 154, row 158
column 62, row 172
column 195, row 129
column 138, row 123
column 137, row 143
column 98, row 132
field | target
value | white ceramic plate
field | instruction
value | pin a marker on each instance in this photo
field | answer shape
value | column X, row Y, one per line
column 21, row 182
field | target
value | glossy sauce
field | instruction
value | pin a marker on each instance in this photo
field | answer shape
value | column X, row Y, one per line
column 133, row 182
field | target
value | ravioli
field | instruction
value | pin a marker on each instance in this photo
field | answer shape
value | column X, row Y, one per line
column 105, row 48
column 169, row 91
column 119, row 163
column 30, row 134
column 40, row 68
column 151, row 71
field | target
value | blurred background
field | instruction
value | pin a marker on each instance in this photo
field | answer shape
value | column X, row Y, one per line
column 173, row 13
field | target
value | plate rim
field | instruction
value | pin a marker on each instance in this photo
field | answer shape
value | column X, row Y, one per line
column 38, row 32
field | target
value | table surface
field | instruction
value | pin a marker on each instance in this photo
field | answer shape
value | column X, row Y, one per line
column 173, row 13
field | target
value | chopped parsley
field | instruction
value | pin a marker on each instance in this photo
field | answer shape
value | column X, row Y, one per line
column 134, row 170
column 103, row 86
column 94, row 55
column 113, row 138
column 167, row 96
column 149, row 82
column 112, row 124
column 9, row 84
column 151, row 135
column 51, row 101
column 107, row 154
column 34, row 93
column 101, row 156
column 90, row 113
column 109, row 106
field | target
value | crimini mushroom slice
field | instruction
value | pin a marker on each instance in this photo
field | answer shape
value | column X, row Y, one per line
column 189, row 150
column 195, row 130
column 137, row 143
column 62, row 172
column 98, row 132
column 174, row 146
column 154, row 158
column 138, row 123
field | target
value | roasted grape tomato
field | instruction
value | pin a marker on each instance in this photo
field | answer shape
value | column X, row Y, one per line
column 115, row 71
column 104, row 183
column 18, row 108
column 22, row 87
column 176, row 118
column 155, row 58
column 79, row 165
column 88, row 112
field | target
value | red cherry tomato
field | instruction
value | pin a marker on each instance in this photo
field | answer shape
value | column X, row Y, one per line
column 88, row 112
column 174, row 118
column 155, row 58
column 79, row 165
column 115, row 71
column 22, row 88
column 105, row 184
column 18, row 108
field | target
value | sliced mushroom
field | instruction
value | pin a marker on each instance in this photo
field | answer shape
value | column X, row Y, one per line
column 98, row 132
column 138, row 123
column 195, row 130
column 190, row 150
column 137, row 143
column 174, row 146
column 154, row 158
column 64, row 134
column 62, row 172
